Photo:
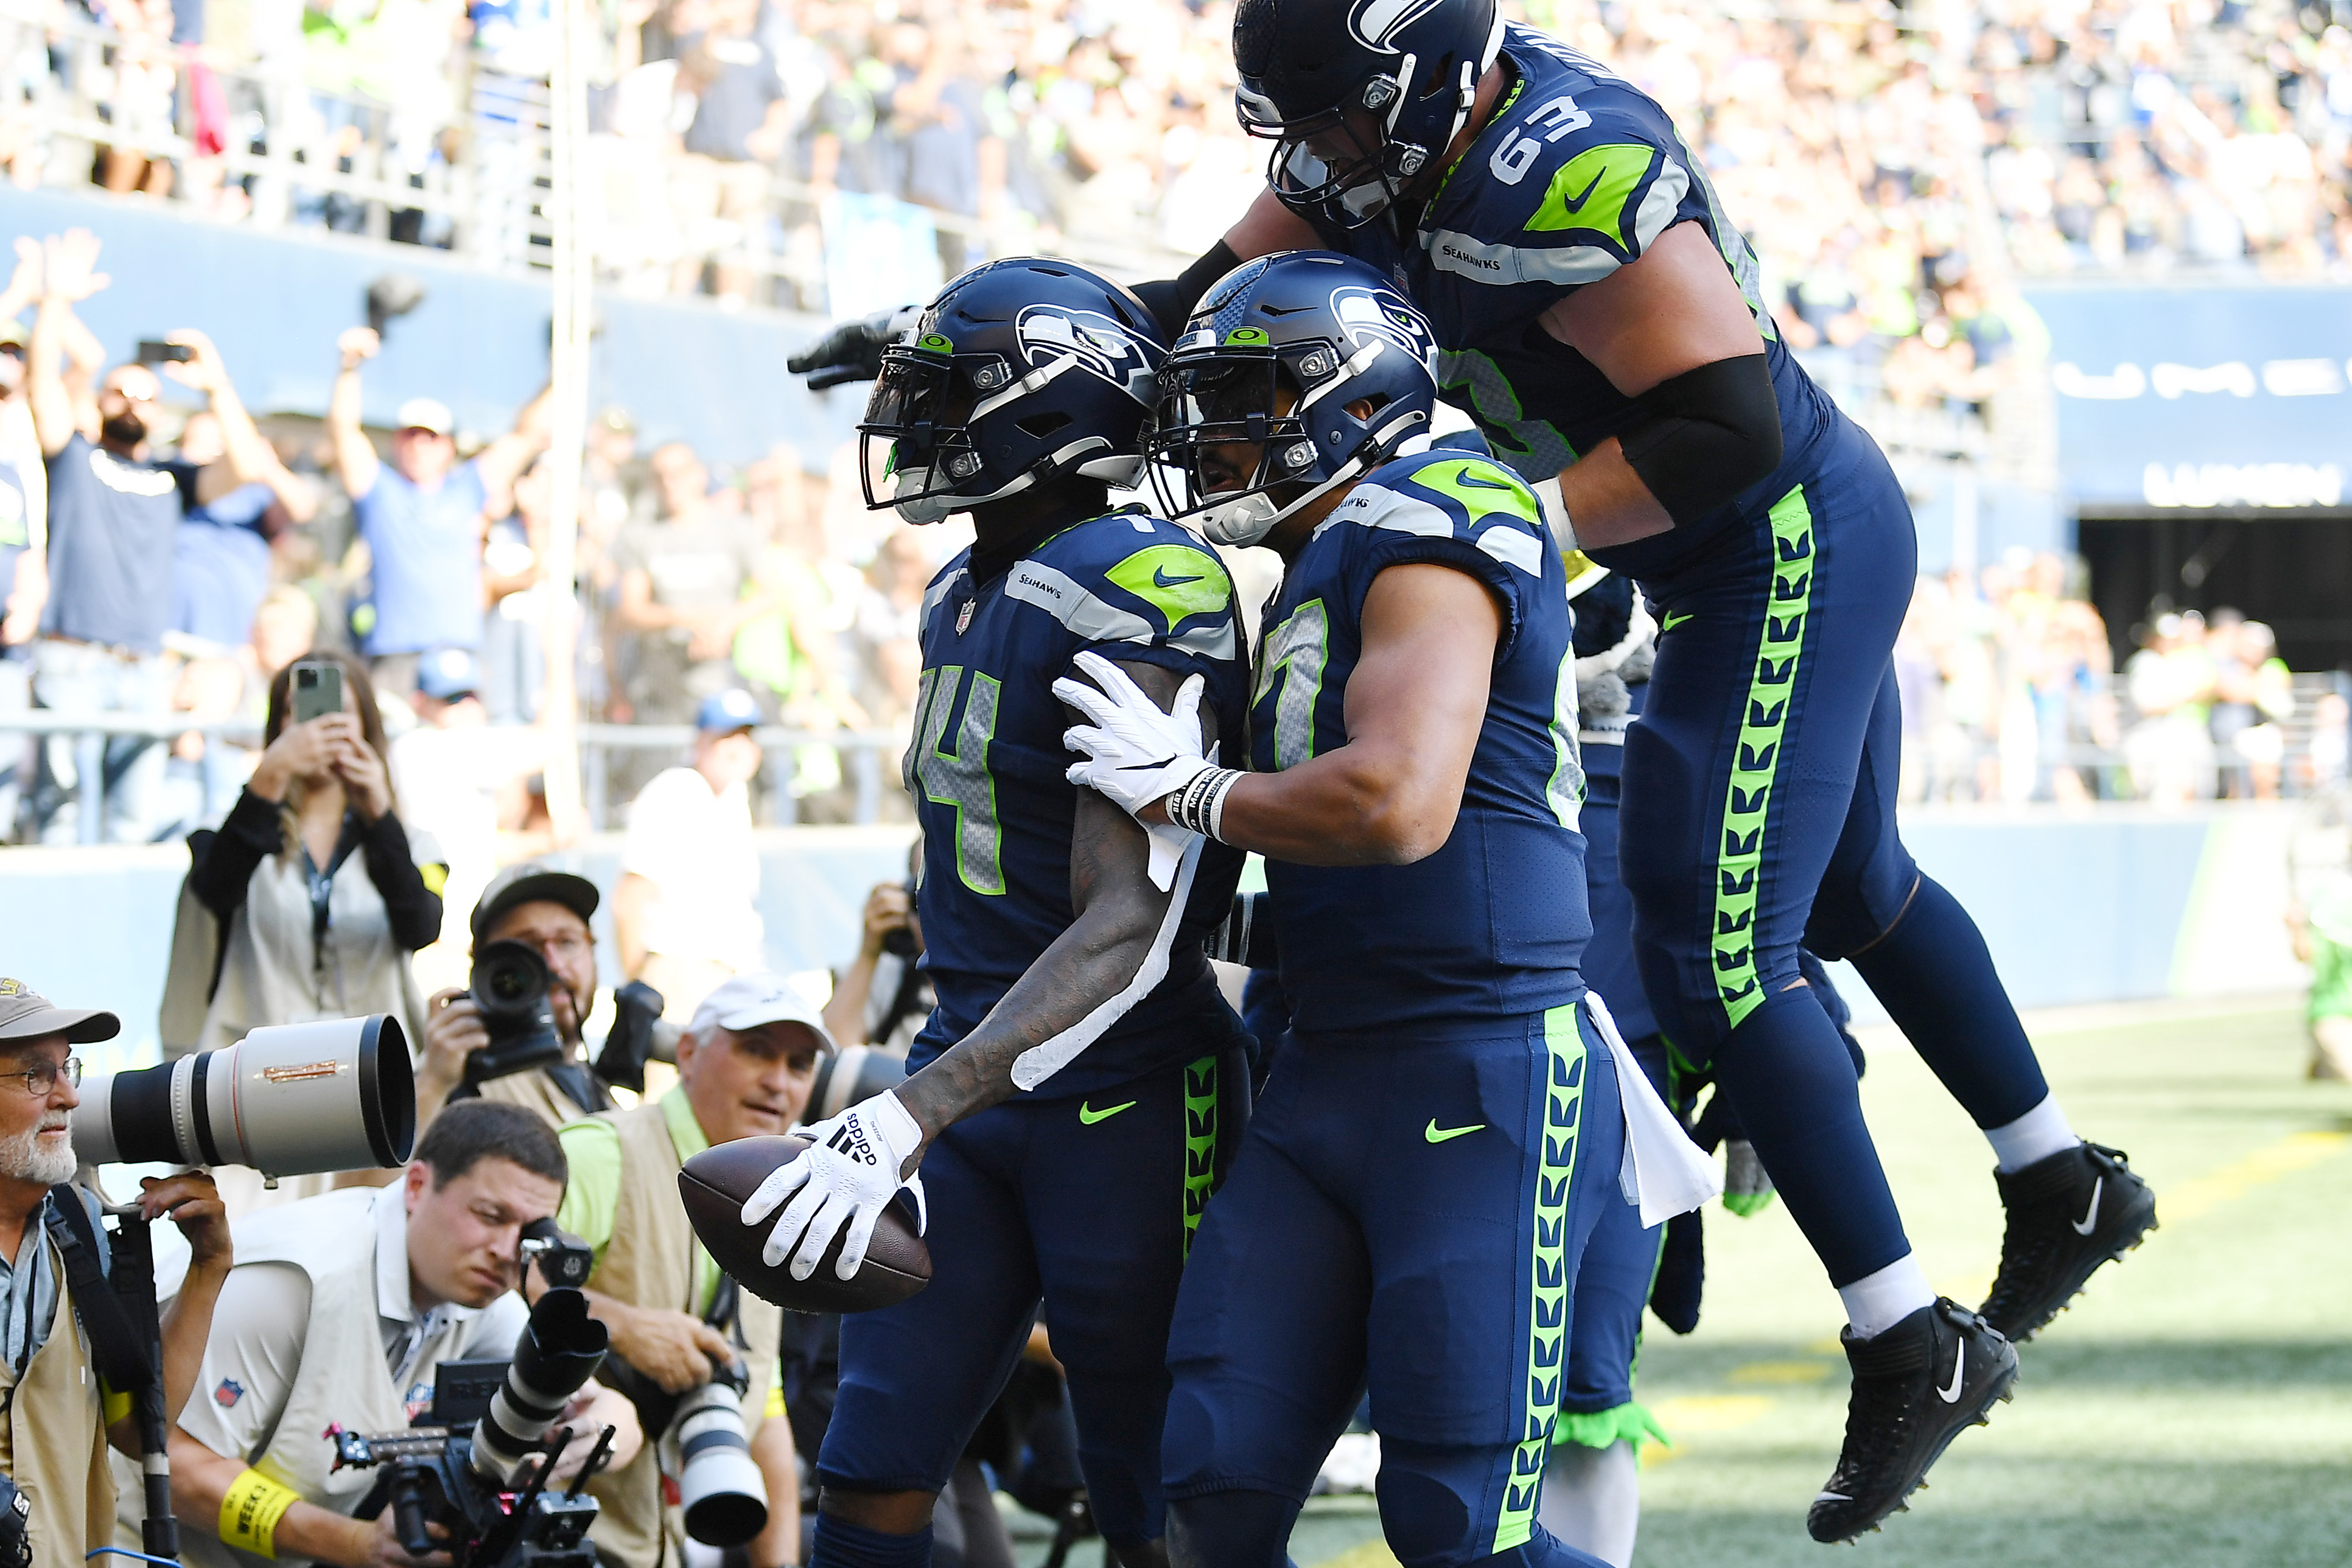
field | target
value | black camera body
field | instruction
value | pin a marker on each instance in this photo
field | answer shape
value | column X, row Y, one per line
column 510, row 986
column 640, row 1035
column 477, row 1464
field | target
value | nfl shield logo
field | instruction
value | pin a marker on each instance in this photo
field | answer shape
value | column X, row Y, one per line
column 963, row 616
column 229, row 1392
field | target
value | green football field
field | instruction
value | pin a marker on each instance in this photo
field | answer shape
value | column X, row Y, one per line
column 2195, row 1409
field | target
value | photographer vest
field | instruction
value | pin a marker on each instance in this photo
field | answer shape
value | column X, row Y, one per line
column 342, row 1376
column 650, row 1262
column 53, row 1442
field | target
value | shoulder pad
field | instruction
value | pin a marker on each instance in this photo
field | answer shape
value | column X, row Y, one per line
column 1449, row 495
column 1132, row 578
column 1574, row 184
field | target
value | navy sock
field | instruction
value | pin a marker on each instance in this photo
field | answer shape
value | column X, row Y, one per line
column 841, row 1544
column 1229, row 1529
column 1793, row 1085
column 1936, row 980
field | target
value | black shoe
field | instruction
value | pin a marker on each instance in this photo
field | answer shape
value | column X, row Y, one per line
column 2067, row 1214
column 1914, row 1387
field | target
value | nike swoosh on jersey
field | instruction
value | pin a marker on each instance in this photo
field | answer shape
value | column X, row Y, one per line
column 1437, row 1134
column 1673, row 620
column 1089, row 1115
column 1160, row 575
column 2090, row 1220
column 1574, row 205
column 1951, row 1395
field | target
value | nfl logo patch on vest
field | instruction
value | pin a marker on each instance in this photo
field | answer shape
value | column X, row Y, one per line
column 229, row 1392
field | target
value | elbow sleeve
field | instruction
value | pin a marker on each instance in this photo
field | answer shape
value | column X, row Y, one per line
column 1703, row 437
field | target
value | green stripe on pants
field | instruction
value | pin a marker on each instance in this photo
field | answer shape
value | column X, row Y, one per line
column 1756, row 761
column 1199, row 1143
column 1564, row 1066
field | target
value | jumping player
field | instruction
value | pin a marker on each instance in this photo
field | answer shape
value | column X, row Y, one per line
column 1061, row 966
column 1603, row 324
column 1443, row 1129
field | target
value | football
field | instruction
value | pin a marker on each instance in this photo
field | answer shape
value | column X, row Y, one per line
column 717, row 1182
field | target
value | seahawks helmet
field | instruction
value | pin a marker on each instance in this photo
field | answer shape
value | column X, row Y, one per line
column 1357, row 96
column 1021, row 371
column 1274, row 359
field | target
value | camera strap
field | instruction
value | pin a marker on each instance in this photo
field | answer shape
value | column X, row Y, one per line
column 115, row 1341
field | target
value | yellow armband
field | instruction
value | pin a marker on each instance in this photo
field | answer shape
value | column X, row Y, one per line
column 250, row 1512
column 775, row 1410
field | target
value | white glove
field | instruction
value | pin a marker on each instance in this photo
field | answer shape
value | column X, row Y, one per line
column 1134, row 754
column 848, row 1178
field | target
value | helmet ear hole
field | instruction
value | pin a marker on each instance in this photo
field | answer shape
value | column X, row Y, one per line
column 1037, row 426
column 1440, row 79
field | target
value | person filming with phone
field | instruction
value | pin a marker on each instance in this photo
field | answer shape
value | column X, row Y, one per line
column 318, row 893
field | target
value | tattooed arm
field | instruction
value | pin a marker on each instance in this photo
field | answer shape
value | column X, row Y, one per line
column 1119, row 913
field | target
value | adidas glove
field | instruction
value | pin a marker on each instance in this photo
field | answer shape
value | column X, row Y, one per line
column 844, row 1181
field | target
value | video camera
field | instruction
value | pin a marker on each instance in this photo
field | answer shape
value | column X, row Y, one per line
column 478, row 1483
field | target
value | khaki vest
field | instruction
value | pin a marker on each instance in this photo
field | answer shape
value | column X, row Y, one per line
column 56, row 1437
column 537, row 1092
column 649, row 1262
column 342, row 1376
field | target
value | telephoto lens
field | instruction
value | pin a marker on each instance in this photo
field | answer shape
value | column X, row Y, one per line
column 560, row 1350
column 849, row 1075
column 509, row 986
column 289, row 1100
column 724, row 1495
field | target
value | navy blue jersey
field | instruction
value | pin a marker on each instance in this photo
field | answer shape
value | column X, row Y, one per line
column 1492, row 926
column 986, row 773
column 1577, row 174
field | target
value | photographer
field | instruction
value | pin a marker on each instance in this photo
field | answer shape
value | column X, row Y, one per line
column 745, row 1068
column 884, row 997
column 548, row 912
column 319, row 894
column 53, row 1433
column 340, row 1310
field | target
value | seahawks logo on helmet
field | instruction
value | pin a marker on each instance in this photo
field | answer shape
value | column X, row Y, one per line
column 1376, row 22
column 1364, row 315
column 1101, row 346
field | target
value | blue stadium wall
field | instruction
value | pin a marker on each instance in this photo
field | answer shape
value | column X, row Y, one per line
column 2121, row 904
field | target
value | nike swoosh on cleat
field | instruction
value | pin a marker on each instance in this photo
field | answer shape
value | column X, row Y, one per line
column 1437, row 1134
column 1089, row 1116
column 1831, row 1497
column 2090, row 1220
column 1951, row 1395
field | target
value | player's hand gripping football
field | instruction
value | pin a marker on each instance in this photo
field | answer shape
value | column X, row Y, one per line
column 852, row 350
column 844, row 1182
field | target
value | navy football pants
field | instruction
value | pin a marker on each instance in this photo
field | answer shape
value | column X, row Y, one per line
column 1759, row 792
column 1410, row 1216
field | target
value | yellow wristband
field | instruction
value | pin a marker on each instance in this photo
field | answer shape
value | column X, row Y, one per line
column 775, row 1409
column 250, row 1512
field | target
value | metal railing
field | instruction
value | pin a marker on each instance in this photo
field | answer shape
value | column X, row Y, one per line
column 867, row 755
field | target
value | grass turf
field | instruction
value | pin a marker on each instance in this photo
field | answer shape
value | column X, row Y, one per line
column 2191, row 1410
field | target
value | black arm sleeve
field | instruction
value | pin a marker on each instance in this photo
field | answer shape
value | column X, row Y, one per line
column 414, row 909
column 1705, row 435
column 1171, row 299
column 223, row 866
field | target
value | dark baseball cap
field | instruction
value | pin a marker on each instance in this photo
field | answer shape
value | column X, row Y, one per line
column 528, row 882
column 27, row 1015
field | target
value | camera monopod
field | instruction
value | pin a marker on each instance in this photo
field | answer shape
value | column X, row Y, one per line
column 117, row 1310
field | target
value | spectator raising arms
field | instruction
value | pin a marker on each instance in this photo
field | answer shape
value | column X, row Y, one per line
column 320, row 896
column 112, row 514
column 422, row 517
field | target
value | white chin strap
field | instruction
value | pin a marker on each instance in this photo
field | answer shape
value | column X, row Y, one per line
column 1248, row 518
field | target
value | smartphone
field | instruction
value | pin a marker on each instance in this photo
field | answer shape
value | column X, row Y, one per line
column 152, row 352
column 318, row 688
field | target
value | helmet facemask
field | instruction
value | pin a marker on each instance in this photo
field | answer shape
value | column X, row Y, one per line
column 921, row 407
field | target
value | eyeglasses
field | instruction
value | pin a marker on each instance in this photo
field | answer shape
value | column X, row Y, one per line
column 41, row 1081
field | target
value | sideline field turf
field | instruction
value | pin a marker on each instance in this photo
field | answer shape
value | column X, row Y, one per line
column 2192, row 1410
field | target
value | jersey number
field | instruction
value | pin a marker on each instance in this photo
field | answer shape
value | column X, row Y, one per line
column 960, row 778
column 1512, row 161
column 1296, row 654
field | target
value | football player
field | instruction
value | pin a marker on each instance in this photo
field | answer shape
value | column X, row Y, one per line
column 1444, row 1127
column 1603, row 324
column 1073, row 1093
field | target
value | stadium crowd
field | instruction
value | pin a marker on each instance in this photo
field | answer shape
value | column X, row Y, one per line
column 1872, row 150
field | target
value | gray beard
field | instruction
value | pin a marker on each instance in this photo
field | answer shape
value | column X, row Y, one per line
column 23, row 1159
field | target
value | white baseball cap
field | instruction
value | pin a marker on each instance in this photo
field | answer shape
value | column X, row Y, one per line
column 425, row 414
column 748, row 1001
